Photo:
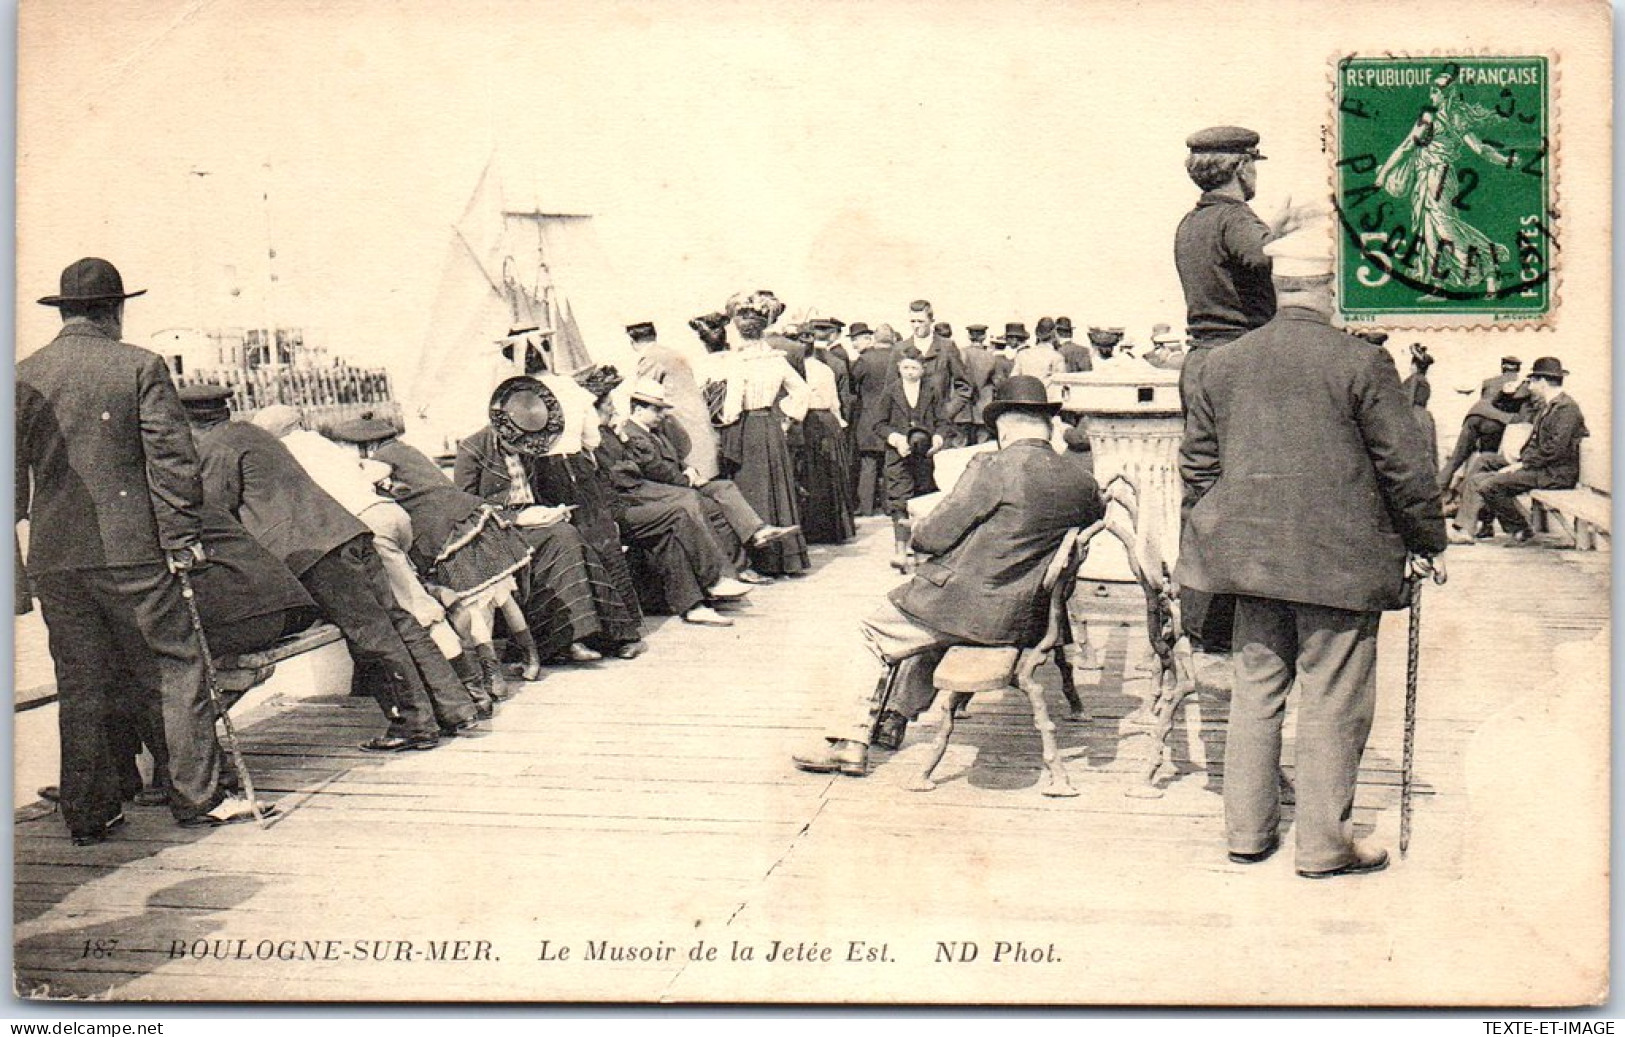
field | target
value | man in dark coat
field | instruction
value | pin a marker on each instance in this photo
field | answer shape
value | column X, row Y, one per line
column 871, row 373
column 1550, row 460
column 108, row 478
column 248, row 601
column 944, row 367
column 250, row 473
column 1077, row 356
column 989, row 543
column 983, row 372
column 1306, row 484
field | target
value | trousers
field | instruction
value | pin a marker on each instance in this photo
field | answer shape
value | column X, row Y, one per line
column 897, row 639
column 1330, row 656
column 134, row 613
column 352, row 591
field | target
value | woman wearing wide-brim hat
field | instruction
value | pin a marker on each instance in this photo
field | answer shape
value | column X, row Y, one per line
column 536, row 451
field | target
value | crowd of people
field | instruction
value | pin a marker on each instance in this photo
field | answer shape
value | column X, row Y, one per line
column 564, row 521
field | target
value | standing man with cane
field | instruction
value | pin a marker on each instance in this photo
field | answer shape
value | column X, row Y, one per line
column 1307, row 484
column 108, row 478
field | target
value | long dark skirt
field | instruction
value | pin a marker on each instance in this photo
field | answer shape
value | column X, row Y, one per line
column 826, row 515
column 576, row 480
column 757, row 459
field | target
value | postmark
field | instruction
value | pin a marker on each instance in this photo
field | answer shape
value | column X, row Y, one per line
column 1443, row 183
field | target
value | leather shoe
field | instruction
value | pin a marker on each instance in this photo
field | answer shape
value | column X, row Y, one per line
column 849, row 758
column 753, row 577
column 699, row 615
column 728, row 590
column 889, row 731
column 50, row 793
column 112, row 825
column 580, row 653
column 471, row 726
column 1462, row 539
column 1364, row 862
column 632, row 649
column 401, row 743
column 1520, row 538
column 232, row 810
column 1257, row 856
column 151, row 797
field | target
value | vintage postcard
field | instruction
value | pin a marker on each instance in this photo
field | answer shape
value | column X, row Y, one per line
column 848, row 503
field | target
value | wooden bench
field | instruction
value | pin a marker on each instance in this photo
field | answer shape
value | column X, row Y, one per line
column 1583, row 513
column 243, row 673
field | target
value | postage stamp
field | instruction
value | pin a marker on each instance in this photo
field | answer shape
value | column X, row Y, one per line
column 1443, row 187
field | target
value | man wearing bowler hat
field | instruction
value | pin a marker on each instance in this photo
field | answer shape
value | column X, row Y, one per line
column 1550, row 459
column 1077, row 356
column 109, row 480
column 1040, row 360
column 988, row 544
column 1307, row 484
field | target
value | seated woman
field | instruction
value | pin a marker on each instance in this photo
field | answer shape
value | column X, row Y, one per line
column 534, row 453
column 467, row 555
column 907, row 422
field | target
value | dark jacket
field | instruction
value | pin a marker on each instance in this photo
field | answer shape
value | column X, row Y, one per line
column 945, row 373
column 1306, row 477
column 871, row 372
column 1078, row 356
column 990, row 540
column 894, row 415
column 652, row 455
column 106, row 470
column 1553, row 448
column 248, row 471
column 480, row 469
column 985, row 373
column 436, row 506
column 1219, row 253
column 242, row 579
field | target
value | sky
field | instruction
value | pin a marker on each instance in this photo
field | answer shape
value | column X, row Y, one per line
column 1006, row 160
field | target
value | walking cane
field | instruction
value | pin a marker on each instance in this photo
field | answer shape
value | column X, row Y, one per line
column 1420, row 569
column 212, row 682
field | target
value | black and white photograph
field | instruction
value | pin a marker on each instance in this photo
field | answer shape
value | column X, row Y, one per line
column 956, row 502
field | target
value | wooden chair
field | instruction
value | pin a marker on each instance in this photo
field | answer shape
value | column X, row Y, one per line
column 968, row 669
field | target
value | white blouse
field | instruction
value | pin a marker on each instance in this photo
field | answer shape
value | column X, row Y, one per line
column 580, row 415
column 822, row 393
column 756, row 373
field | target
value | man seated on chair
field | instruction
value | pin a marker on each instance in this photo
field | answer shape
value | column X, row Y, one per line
column 987, row 546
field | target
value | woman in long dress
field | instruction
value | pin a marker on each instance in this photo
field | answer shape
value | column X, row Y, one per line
column 536, row 451
column 827, row 466
column 762, row 394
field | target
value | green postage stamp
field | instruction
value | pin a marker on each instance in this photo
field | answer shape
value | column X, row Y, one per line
column 1443, row 187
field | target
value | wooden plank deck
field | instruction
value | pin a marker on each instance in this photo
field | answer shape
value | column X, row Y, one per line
column 652, row 804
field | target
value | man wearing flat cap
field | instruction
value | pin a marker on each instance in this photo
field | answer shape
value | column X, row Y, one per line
column 1219, row 246
column 1307, row 485
column 987, row 545
column 109, row 480
column 1225, row 275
